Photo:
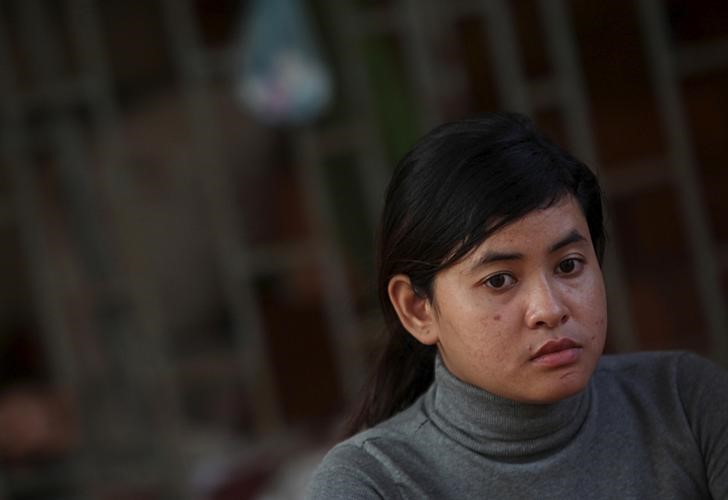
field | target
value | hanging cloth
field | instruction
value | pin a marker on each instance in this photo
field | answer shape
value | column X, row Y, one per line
column 283, row 78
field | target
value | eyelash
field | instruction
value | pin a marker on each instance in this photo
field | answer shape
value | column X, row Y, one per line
column 577, row 262
column 488, row 281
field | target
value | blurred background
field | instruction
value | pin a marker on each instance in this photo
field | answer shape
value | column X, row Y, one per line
column 189, row 191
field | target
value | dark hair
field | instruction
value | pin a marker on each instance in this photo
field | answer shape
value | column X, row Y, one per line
column 459, row 184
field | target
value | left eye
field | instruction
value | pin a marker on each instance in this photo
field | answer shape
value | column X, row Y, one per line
column 568, row 266
column 500, row 281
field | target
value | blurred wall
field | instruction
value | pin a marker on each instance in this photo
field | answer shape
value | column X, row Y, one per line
column 187, row 292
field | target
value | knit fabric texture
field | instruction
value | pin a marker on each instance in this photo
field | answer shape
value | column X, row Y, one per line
column 648, row 425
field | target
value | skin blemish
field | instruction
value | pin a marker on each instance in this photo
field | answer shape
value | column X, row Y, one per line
column 496, row 317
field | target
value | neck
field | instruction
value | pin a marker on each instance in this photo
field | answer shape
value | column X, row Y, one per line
column 497, row 426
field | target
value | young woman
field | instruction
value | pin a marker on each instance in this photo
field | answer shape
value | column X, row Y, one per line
column 492, row 383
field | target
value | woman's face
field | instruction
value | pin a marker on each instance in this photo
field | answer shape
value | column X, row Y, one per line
column 524, row 315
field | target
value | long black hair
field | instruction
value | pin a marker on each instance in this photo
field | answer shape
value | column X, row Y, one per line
column 458, row 185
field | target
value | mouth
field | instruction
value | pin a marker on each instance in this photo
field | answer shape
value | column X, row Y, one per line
column 557, row 352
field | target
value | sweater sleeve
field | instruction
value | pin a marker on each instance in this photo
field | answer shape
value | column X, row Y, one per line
column 703, row 388
column 349, row 472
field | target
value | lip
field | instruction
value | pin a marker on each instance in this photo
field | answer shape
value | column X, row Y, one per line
column 557, row 352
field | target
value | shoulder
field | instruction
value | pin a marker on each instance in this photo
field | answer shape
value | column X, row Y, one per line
column 348, row 471
column 365, row 465
column 656, row 364
column 653, row 364
column 691, row 381
column 689, row 392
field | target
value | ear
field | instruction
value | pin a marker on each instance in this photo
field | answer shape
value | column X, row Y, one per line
column 415, row 311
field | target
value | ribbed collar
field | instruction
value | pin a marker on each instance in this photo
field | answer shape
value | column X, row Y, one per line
column 500, row 427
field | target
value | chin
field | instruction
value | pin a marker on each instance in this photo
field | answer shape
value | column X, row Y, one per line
column 567, row 385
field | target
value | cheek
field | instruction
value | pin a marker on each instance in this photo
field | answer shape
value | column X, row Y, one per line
column 496, row 336
column 597, row 308
column 600, row 306
column 591, row 297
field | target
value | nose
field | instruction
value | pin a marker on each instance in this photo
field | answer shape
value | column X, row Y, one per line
column 545, row 307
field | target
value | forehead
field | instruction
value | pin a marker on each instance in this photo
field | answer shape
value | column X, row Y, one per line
column 537, row 231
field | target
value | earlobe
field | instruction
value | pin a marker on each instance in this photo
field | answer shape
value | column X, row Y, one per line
column 415, row 310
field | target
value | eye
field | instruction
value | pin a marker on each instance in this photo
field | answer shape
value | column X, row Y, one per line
column 569, row 266
column 500, row 281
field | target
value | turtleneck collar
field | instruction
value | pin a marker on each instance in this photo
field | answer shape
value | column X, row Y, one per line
column 500, row 427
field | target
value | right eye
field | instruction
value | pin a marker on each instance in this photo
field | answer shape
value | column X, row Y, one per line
column 500, row 281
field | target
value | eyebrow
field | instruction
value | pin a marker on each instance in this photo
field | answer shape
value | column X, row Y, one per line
column 573, row 237
column 489, row 257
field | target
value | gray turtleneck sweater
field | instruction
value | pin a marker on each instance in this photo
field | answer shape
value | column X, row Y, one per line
column 648, row 425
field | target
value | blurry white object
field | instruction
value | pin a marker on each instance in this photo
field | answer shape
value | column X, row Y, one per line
column 282, row 78
column 290, row 482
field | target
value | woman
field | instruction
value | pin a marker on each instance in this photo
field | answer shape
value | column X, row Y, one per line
column 492, row 383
